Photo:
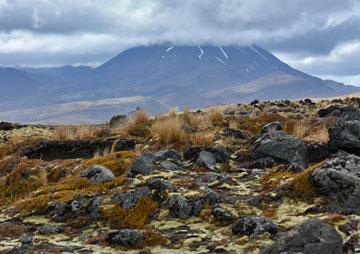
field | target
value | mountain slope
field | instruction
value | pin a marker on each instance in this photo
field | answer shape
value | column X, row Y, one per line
column 183, row 76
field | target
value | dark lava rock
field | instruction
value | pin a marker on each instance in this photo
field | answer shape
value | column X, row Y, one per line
column 129, row 199
column 262, row 163
column 207, row 160
column 5, row 126
column 311, row 237
column 169, row 166
column 181, row 207
column 212, row 197
column 344, row 135
column 254, row 102
column 270, row 127
column 221, row 154
column 51, row 229
column 95, row 208
column 281, row 147
column 128, row 238
column 222, row 215
column 234, row 133
column 167, row 154
column 252, row 225
column 98, row 174
column 142, row 165
column 83, row 206
column 317, row 151
column 26, row 244
column 192, row 153
column 72, row 149
column 333, row 110
column 60, row 211
column 339, row 180
column 159, row 188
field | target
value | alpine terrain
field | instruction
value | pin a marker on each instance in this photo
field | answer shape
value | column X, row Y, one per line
column 157, row 78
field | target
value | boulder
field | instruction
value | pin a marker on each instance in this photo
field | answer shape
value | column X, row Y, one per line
column 142, row 165
column 192, row 153
column 312, row 236
column 163, row 155
column 222, row 215
column 281, row 147
column 98, row 174
column 130, row 198
column 234, row 133
column 212, row 197
column 271, row 127
column 344, row 135
column 128, row 238
column 262, row 163
column 333, row 110
column 252, row 225
column 317, row 151
column 207, row 160
column 221, row 154
column 338, row 179
column 181, row 207
column 159, row 188
column 169, row 166
column 48, row 229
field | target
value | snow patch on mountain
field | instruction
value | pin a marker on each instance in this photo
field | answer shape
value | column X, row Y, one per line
column 201, row 53
column 224, row 53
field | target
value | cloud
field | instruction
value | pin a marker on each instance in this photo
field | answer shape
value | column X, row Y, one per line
column 310, row 34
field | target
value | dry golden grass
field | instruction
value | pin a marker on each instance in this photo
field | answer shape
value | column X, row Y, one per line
column 216, row 117
column 202, row 139
column 192, row 120
column 311, row 130
column 254, row 124
column 137, row 126
column 168, row 132
column 77, row 132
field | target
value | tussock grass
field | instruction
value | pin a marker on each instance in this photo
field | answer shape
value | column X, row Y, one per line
column 77, row 132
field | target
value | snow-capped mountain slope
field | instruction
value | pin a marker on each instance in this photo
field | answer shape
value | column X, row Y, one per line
column 168, row 75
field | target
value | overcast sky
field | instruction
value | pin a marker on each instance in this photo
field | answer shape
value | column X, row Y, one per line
column 320, row 37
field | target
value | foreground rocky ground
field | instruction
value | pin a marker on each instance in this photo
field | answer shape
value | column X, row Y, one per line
column 268, row 177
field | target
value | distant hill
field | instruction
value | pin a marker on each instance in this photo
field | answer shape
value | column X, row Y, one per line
column 167, row 76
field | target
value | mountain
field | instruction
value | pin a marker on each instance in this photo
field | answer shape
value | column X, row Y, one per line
column 167, row 76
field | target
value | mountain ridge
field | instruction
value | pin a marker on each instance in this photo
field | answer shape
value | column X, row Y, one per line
column 174, row 76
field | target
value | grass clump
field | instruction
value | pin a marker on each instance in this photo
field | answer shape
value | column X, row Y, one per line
column 254, row 124
column 168, row 132
column 138, row 125
column 216, row 117
column 118, row 162
column 302, row 187
column 275, row 177
column 22, row 180
column 135, row 217
column 77, row 132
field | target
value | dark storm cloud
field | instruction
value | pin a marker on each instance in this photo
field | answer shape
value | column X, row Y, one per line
column 320, row 36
